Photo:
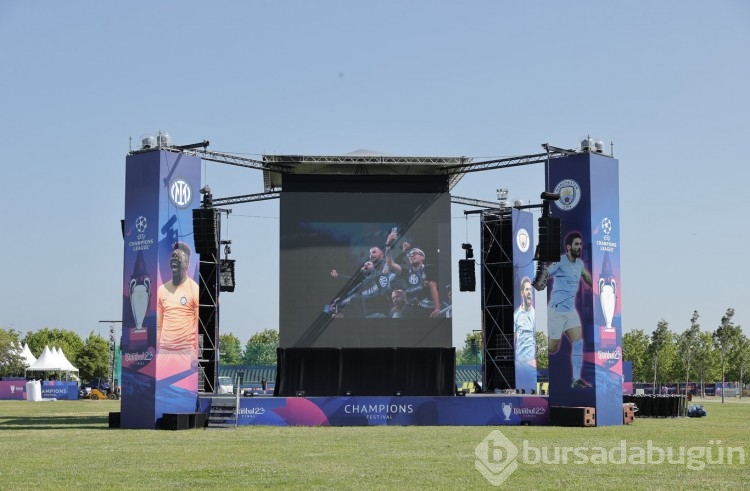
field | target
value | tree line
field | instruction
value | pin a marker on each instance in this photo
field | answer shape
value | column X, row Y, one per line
column 694, row 356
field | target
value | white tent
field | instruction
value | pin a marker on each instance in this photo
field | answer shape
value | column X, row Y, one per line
column 28, row 355
column 49, row 361
column 64, row 360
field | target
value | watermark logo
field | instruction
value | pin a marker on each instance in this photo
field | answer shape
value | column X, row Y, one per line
column 498, row 457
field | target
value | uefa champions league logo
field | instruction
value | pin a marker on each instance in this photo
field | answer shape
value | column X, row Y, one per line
column 141, row 224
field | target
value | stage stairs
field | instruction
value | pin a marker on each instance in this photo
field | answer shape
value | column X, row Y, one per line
column 223, row 413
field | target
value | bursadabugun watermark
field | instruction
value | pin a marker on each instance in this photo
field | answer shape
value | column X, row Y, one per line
column 498, row 457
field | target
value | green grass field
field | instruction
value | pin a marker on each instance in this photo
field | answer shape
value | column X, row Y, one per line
column 68, row 445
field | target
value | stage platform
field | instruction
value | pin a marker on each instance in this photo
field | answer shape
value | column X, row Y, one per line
column 469, row 410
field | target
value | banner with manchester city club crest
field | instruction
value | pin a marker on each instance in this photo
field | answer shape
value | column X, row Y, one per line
column 161, row 189
column 583, row 289
column 524, row 313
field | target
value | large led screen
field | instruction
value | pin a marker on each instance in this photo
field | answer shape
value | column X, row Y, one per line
column 365, row 268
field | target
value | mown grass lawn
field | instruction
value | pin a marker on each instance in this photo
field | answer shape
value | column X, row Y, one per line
column 68, row 445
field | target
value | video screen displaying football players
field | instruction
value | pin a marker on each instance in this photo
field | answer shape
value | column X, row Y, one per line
column 365, row 269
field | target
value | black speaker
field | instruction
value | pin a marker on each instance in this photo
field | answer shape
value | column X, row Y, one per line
column 467, row 280
column 548, row 246
column 175, row 421
column 205, row 230
column 226, row 275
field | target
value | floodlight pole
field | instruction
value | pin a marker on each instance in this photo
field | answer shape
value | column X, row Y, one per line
column 112, row 346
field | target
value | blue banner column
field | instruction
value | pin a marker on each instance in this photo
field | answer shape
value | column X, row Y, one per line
column 161, row 189
column 524, row 315
column 585, row 364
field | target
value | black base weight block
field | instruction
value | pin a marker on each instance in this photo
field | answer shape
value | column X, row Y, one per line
column 572, row 416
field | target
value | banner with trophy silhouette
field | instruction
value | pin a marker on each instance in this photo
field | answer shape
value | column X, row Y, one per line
column 583, row 289
column 161, row 189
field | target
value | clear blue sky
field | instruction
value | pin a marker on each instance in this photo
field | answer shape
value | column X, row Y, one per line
column 667, row 82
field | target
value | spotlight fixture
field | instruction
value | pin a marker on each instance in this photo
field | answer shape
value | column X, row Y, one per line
column 300, row 393
column 398, row 393
column 203, row 144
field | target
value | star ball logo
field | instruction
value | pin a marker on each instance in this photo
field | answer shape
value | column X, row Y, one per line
column 522, row 240
column 496, row 458
column 570, row 194
column 141, row 224
column 180, row 193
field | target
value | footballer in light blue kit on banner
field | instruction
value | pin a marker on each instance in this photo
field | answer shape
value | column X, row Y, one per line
column 583, row 290
column 524, row 316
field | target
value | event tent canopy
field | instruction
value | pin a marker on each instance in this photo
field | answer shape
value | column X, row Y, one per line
column 52, row 361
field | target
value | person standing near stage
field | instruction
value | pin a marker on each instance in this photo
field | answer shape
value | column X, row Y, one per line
column 524, row 325
column 562, row 316
column 177, row 306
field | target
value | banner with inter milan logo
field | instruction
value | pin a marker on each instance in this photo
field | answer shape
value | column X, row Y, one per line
column 583, row 289
column 160, row 292
column 524, row 313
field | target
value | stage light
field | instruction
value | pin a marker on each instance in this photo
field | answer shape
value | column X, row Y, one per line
column 148, row 142
column 300, row 393
column 348, row 393
column 163, row 139
column 398, row 393
column 203, row 144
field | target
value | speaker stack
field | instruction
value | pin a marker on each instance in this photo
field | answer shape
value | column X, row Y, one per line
column 548, row 247
column 467, row 280
column 205, row 230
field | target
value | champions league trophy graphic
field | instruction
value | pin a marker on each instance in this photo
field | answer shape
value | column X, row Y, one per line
column 507, row 408
column 140, row 291
column 607, row 292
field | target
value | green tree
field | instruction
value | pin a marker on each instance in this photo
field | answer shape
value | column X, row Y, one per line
column 727, row 339
column 705, row 360
column 70, row 342
column 743, row 360
column 635, row 348
column 471, row 354
column 230, row 349
column 261, row 348
column 686, row 344
column 662, row 352
column 93, row 359
column 542, row 354
column 11, row 362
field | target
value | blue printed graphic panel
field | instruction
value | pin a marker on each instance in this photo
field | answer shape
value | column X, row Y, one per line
column 583, row 312
column 524, row 316
column 395, row 411
column 161, row 190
